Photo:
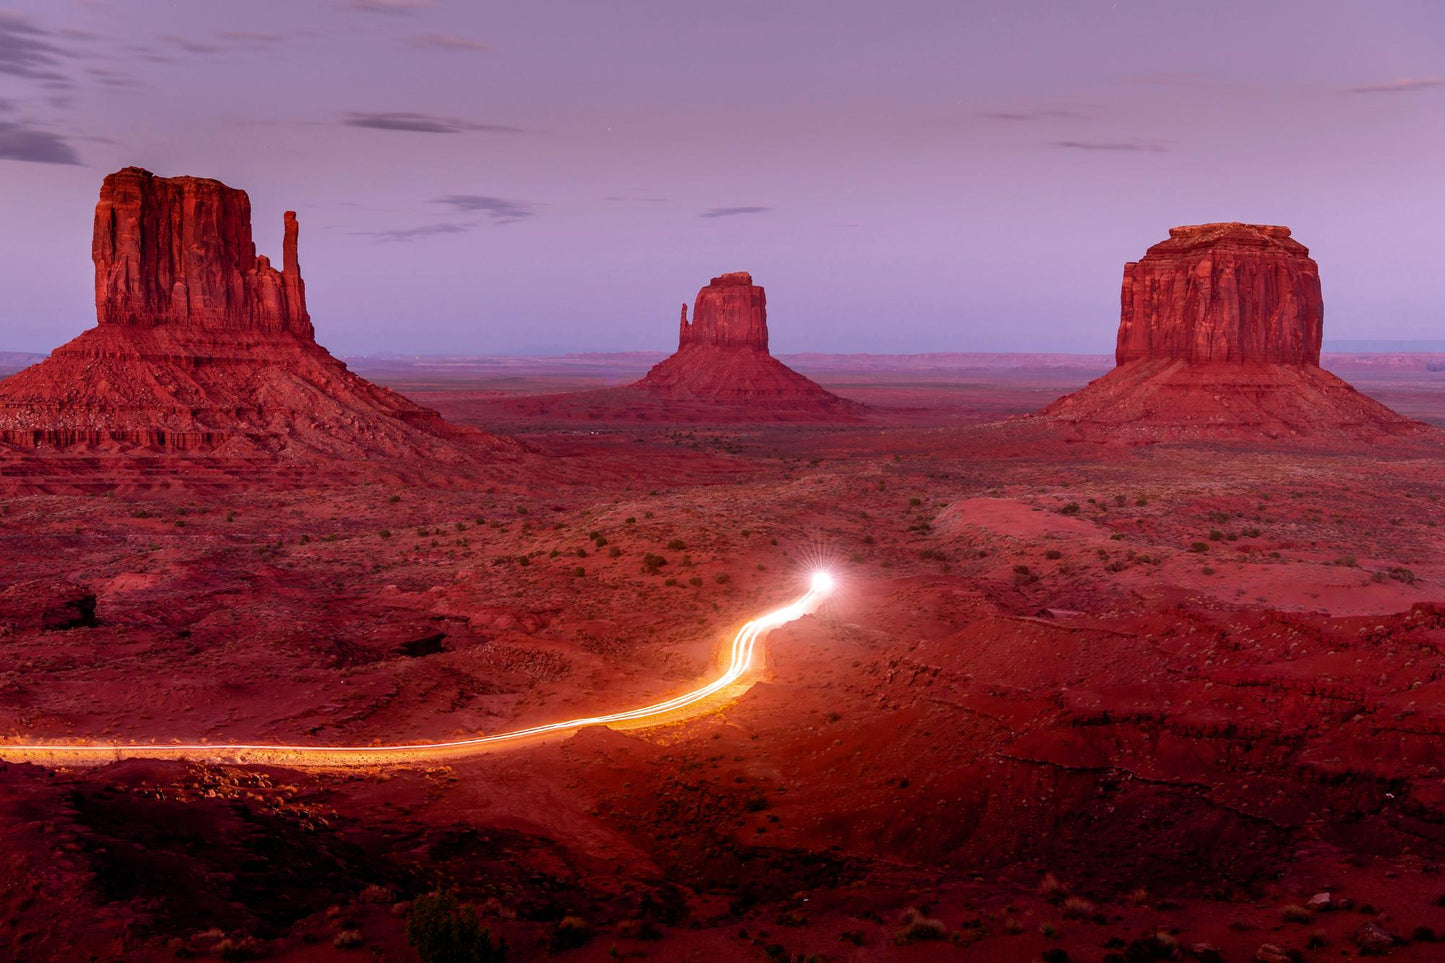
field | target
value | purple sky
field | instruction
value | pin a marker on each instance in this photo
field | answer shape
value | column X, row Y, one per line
column 551, row 176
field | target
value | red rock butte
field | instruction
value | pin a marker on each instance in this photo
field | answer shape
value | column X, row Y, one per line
column 722, row 357
column 203, row 348
column 1219, row 337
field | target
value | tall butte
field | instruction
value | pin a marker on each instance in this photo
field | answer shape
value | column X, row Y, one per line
column 722, row 358
column 1219, row 337
column 202, row 347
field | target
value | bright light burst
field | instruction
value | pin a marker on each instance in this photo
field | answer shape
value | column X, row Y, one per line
column 823, row 581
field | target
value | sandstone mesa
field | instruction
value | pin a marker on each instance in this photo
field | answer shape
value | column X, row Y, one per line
column 203, row 348
column 1219, row 338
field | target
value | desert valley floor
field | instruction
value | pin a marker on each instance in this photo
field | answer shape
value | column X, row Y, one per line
column 1070, row 701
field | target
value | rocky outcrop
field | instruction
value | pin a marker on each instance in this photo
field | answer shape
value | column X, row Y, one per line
column 178, row 250
column 1219, row 337
column 203, row 348
column 722, row 359
column 730, row 312
column 1223, row 292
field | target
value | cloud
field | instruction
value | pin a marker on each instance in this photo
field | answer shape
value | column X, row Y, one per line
column 403, row 7
column 24, row 51
column 445, row 41
column 254, row 38
column 1039, row 113
column 499, row 209
column 420, row 123
column 114, row 79
column 1123, row 145
column 416, row 233
column 732, row 211
column 22, row 143
column 191, row 46
column 1402, row 86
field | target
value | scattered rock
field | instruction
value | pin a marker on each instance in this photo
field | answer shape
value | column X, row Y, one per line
column 1374, row 940
column 1320, row 902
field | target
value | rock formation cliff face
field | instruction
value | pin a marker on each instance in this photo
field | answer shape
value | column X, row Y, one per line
column 731, row 311
column 722, row 359
column 1219, row 337
column 1223, row 292
column 204, row 348
column 178, row 250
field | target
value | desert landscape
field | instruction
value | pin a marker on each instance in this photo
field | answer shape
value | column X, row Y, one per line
column 727, row 652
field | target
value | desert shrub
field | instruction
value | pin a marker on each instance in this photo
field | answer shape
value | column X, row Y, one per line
column 579, row 572
column 1401, row 574
column 394, row 499
column 1141, row 501
column 722, row 578
column 521, row 509
column 1215, row 535
column 442, row 931
column 1051, row 889
column 652, row 562
column 1021, row 570
column 695, row 581
column 1078, row 908
column 868, row 539
column 1072, row 508
column 348, row 940
column 385, row 533
column 1346, row 561
column 1295, row 914
column 671, row 583
column 571, row 931
column 676, row 544
column 1053, row 553
column 613, row 551
column 581, row 553
column 918, row 928
column 1199, row 546
column 630, row 520
column 915, row 502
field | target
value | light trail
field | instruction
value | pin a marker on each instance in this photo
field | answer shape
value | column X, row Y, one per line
column 744, row 644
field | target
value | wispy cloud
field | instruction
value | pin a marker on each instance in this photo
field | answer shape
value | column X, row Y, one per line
column 1143, row 146
column 1402, row 86
column 415, row 233
column 1038, row 113
column 190, row 46
column 619, row 199
column 445, row 41
column 733, row 211
column 499, row 209
column 401, row 7
column 253, row 37
column 413, row 122
column 23, row 143
column 24, row 51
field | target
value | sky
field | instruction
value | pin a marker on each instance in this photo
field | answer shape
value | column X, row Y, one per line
column 559, row 175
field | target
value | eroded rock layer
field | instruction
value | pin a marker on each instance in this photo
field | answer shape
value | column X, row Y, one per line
column 1222, row 293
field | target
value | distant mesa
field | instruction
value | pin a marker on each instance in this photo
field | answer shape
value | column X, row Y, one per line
column 1219, row 337
column 203, row 347
column 722, row 358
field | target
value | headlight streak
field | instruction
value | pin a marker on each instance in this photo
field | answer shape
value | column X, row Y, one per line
column 744, row 644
